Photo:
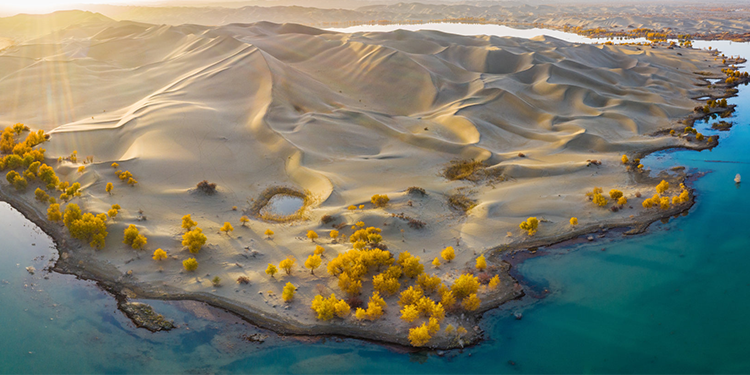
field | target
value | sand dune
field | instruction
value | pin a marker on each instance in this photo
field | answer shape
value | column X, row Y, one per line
column 342, row 116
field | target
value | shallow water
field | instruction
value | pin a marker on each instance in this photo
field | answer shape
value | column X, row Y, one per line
column 282, row 205
column 673, row 300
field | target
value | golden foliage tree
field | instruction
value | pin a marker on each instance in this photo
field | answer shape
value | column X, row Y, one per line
column 334, row 234
column 419, row 336
column 313, row 262
column 194, row 240
column 428, row 283
column 411, row 266
column 188, row 223
column 465, row 285
column 268, row 233
column 481, row 263
column 662, row 187
column 615, row 194
column 312, row 235
column 471, row 302
column 494, row 282
column 108, row 188
column 349, row 284
column 72, row 213
column 53, row 213
column 244, row 220
column 448, row 254
column 226, row 228
column 622, row 201
column 271, row 270
column 530, row 225
column 287, row 265
column 624, row 159
column 409, row 313
column 159, row 254
column 436, row 262
column 573, row 221
column 410, row 296
column 385, row 285
column 288, row 292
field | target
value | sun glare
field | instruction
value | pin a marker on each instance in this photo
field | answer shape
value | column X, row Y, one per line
column 43, row 6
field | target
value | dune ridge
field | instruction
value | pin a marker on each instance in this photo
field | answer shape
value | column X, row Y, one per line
column 341, row 117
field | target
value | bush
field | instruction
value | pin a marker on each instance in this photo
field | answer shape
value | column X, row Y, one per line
column 242, row 280
column 271, row 270
column 194, row 240
column 662, row 187
column 615, row 194
column 53, row 213
column 471, row 302
column 226, row 228
column 419, row 336
column 530, row 225
column 385, row 285
column 465, row 285
column 206, row 187
column 573, row 221
column 190, row 264
column 160, row 254
column 312, row 235
column 448, row 254
column 380, row 200
column 494, row 282
column 481, row 263
column 313, row 262
column 287, row 265
column 414, row 190
column 216, row 281
column 288, row 293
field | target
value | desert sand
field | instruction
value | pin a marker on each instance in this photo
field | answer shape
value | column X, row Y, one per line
column 340, row 117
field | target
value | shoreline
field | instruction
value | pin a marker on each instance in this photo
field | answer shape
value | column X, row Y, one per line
column 86, row 268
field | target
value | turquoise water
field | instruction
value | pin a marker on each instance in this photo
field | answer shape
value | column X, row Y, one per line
column 674, row 300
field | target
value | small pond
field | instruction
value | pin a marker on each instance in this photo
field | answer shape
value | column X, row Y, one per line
column 282, row 205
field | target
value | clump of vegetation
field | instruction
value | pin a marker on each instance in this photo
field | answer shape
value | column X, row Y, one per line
column 469, row 170
column 448, row 254
column 326, row 308
column 287, row 294
column 375, row 308
column 379, row 200
column 481, row 263
column 190, row 264
column 194, row 240
column 159, row 254
column 216, row 281
column 597, row 197
column 226, row 228
column 244, row 220
column 133, row 238
column 573, row 221
column 313, row 262
column 268, row 233
column 205, row 187
column 312, row 235
column 287, row 265
column 721, row 125
column 243, row 280
column 530, row 226
column 461, row 202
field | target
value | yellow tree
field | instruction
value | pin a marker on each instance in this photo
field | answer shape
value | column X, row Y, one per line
column 226, row 228
column 268, row 233
column 313, row 262
column 448, row 254
column 385, row 285
column 481, row 263
column 471, row 302
column 436, row 263
column 334, row 234
column 615, row 194
column 573, row 221
column 312, row 235
column 139, row 242
column 530, row 225
column 409, row 313
column 194, row 240
column 160, row 254
column 188, row 223
column 494, row 282
column 287, row 265
column 288, row 293
column 419, row 336
column 341, row 309
column 108, row 188
column 53, row 213
column 244, row 220
column 624, row 159
column 271, row 270
column 662, row 187
column 465, row 285
column 319, row 250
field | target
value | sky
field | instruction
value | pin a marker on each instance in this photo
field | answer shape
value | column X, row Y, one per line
column 45, row 6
